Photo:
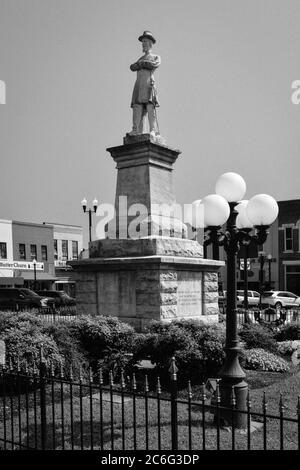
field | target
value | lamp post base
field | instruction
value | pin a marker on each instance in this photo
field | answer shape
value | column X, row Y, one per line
column 235, row 414
column 233, row 391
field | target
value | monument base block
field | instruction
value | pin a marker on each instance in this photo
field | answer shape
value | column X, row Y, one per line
column 141, row 289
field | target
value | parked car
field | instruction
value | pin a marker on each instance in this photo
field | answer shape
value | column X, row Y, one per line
column 18, row 298
column 253, row 298
column 280, row 299
column 61, row 298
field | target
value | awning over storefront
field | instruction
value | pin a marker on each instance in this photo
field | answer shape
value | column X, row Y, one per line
column 29, row 276
column 11, row 281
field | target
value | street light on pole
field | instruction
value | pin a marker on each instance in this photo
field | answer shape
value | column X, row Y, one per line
column 261, row 274
column 270, row 257
column 258, row 213
column 89, row 211
column 34, row 274
column 245, row 224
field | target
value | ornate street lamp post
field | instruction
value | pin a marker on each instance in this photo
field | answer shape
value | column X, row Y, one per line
column 242, row 217
column 95, row 205
column 270, row 257
column 34, row 274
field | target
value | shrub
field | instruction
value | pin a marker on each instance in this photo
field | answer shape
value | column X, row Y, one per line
column 285, row 348
column 260, row 359
column 290, row 331
column 69, row 347
column 258, row 336
column 105, row 340
column 14, row 320
column 25, row 342
column 198, row 348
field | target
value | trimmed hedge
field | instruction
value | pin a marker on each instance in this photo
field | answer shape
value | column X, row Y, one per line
column 258, row 336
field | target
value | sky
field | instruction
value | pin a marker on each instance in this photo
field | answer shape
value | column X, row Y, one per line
column 224, row 87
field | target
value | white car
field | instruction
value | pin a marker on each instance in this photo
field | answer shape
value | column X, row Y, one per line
column 280, row 299
column 222, row 299
column 253, row 298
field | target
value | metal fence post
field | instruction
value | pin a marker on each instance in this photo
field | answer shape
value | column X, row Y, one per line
column 174, row 425
column 43, row 382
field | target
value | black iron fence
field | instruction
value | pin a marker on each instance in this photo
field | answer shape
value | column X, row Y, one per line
column 42, row 409
column 47, row 314
column 256, row 315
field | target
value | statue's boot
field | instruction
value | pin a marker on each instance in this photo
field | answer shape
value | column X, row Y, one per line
column 137, row 111
column 153, row 127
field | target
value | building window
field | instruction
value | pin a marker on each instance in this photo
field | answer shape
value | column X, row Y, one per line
column 22, row 251
column 288, row 239
column 33, row 252
column 55, row 249
column 44, row 253
column 64, row 250
column 3, row 250
column 74, row 249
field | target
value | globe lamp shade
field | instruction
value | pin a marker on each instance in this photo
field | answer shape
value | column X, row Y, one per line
column 95, row 204
column 242, row 221
column 216, row 210
column 193, row 214
column 262, row 209
column 231, row 186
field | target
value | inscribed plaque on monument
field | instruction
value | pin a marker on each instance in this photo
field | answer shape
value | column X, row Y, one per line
column 189, row 294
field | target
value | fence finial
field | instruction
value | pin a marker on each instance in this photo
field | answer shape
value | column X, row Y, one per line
column 146, row 384
column 173, row 369
column 122, row 379
column 133, row 382
column 218, row 395
column 158, row 386
column 248, row 399
column 41, row 352
column 111, row 378
column 232, row 398
column 203, row 394
column 264, row 402
column 100, row 376
column 61, row 370
column 190, row 393
column 281, row 405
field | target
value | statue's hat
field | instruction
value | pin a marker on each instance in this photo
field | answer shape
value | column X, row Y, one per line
column 147, row 34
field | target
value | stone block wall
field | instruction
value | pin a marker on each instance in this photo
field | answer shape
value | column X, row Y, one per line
column 210, row 294
column 139, row 294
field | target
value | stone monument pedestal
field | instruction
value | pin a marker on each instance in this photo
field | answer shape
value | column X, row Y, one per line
column 139, row 290
column 158, row 273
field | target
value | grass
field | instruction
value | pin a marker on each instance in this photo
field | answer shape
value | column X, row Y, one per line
column 85, row 433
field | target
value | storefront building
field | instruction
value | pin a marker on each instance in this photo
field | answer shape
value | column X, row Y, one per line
column 34, row 243
column 36, row 255
column 289, row 245
column 67, row 243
